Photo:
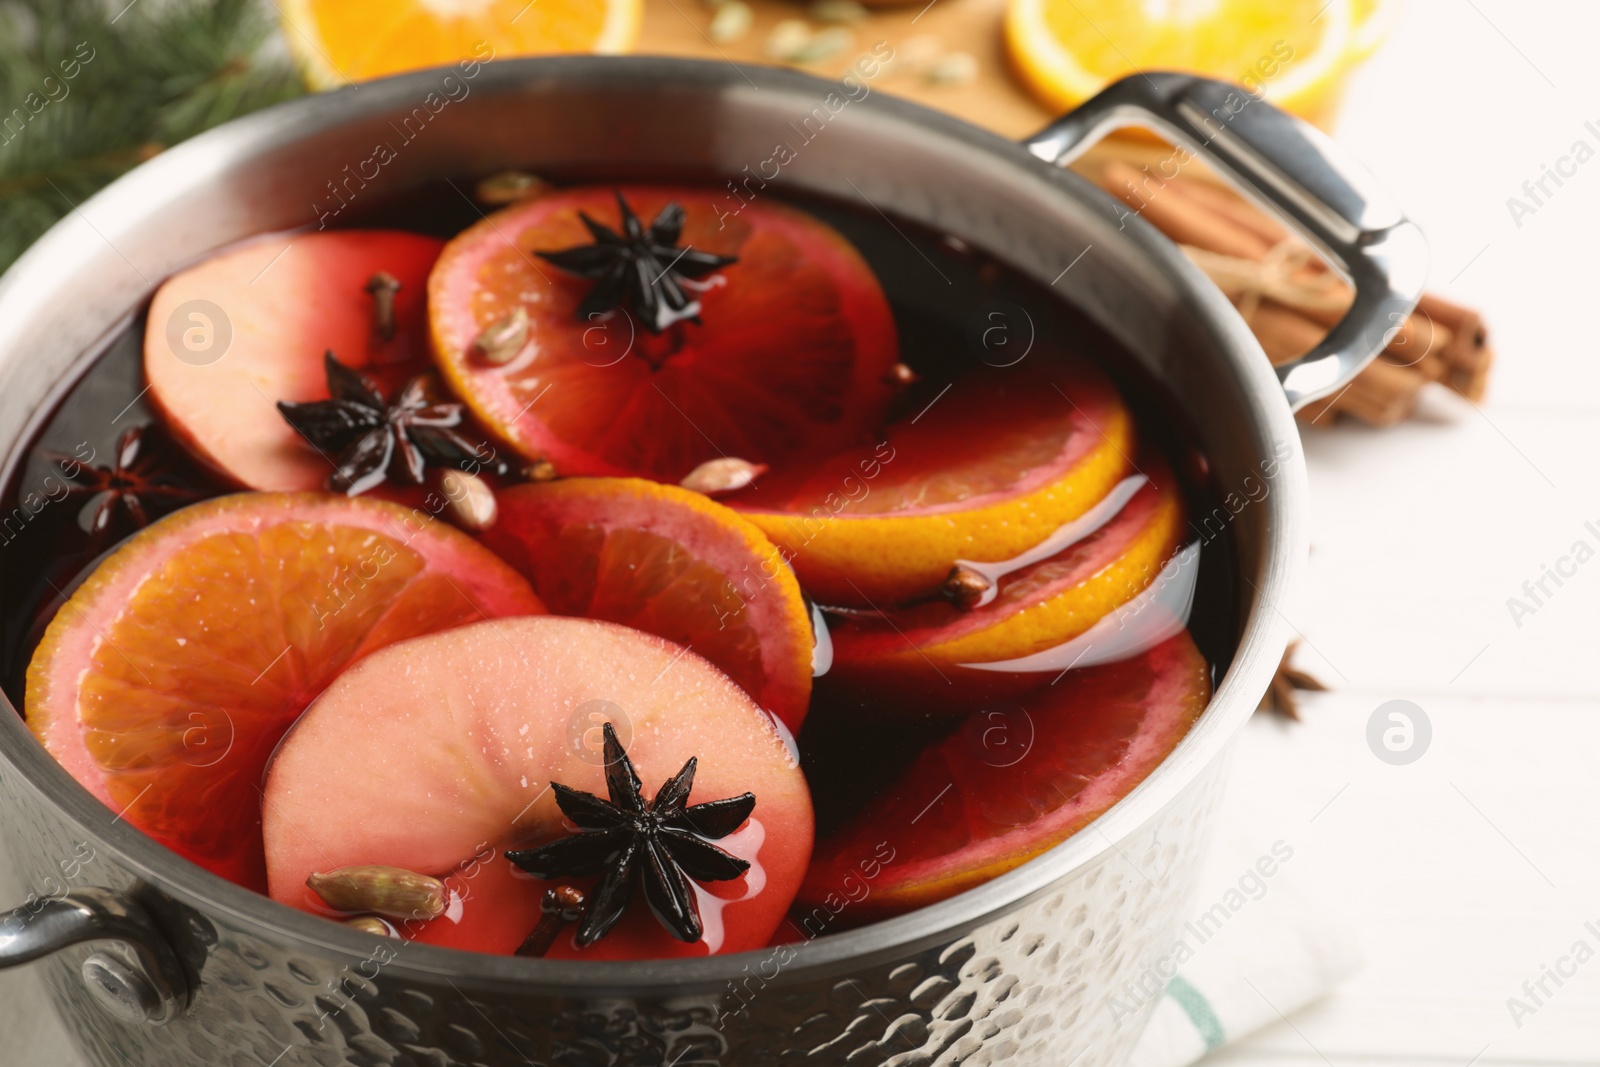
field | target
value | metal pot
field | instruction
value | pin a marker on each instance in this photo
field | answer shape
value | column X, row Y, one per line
column 1032, row 968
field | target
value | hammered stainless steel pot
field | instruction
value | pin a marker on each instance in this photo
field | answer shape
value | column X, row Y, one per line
column 152, row 961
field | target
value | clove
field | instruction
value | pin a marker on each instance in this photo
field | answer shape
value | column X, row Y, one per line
column 383, row 286
column 966, row 587
column 561, row 906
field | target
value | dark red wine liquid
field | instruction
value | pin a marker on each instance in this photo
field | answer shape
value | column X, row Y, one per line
column 948, row 300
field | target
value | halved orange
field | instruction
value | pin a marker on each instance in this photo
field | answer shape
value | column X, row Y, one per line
column 1039, row 601
column 165, row 682
column 1016, row 779
column 1293, row 52
column 989, row 468
column 789, row 356
column 672, row 563
column 342, row 41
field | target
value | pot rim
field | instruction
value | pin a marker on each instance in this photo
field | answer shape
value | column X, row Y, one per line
column 1262, row 629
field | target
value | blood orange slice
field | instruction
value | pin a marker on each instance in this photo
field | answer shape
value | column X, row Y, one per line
column 669, row 562
column 790, row 354
column 231, row 336
column 455, row 740
column 985, row 470
column 166, row 680
column 1038, row 601
column 1015, row 780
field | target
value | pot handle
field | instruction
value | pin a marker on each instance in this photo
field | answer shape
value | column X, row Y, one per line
column 1293, row 168
column 146, row 986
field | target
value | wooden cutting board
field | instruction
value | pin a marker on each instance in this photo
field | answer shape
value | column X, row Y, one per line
column 994, row 99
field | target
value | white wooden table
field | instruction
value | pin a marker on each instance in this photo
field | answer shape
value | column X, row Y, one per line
column 1471, row 870
column 1474, row 868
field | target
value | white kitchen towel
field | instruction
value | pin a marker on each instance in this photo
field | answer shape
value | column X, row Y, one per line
column 1258, row 946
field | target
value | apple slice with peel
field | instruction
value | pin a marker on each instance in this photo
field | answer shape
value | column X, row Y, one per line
column 438, row 756
column 231, row 336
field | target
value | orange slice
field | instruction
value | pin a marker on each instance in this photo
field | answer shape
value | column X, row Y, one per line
column 1108, row 557
column 342, row 41
column 789, row 356
column 672, row 563
column 1294, row 52
column 165, row 682
column 1013, row 781
column 986, row 470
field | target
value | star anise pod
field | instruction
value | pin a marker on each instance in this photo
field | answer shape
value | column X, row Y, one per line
column 1280, row 696
column 661, row 844
column 640, row 266
column 137, row 483
column 365, row 436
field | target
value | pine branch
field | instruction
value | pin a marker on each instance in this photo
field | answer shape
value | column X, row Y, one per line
column 87, row 93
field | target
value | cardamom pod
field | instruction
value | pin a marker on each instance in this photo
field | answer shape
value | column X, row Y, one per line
column 722, row 475
column 540, row 470
column 392, row 892
column 470, row 499
column 509, row 186
column 503, row 339
column 731, row 22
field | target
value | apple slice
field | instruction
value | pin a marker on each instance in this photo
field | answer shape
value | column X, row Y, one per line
column 437, row 756
column 231, row 336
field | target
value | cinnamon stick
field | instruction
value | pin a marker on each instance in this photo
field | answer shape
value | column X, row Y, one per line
column 1149, row 195
column 1284, row 333
column 1422, row 347
column 1229, row 205
column 1466, row 353
column 1289, row 296
column 1382, row 394
column 1324, row 302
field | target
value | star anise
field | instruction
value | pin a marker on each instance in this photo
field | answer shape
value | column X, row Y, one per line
column 1280, row 696
column 137, row 483
column 365, row 436
column 661, row 844
column 640, row 266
